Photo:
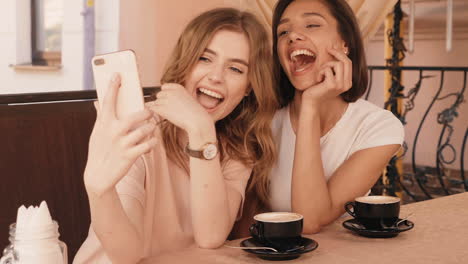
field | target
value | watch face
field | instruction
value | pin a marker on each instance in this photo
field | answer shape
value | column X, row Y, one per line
column 210, row 151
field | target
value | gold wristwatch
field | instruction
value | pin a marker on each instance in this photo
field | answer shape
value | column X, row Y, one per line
column 207, row 151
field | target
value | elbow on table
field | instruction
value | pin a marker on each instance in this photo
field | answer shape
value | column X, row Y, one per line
column 311, row 228
column 210, row 242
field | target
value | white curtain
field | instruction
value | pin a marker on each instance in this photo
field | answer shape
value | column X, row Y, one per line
column 370, row 13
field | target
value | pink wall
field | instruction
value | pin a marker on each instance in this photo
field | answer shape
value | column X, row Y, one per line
column 137, row 32
column 152, row 28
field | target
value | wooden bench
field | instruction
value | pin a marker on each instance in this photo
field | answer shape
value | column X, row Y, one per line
column 43, row 152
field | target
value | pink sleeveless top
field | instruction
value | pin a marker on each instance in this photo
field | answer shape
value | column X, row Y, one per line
column 162, row 190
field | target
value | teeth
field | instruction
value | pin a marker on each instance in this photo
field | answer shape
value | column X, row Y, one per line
column 301, row 52
column 211, row 93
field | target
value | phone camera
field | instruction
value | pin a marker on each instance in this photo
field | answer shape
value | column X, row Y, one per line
column 98, row 62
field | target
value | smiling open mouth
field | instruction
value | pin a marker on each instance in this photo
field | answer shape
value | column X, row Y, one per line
column 302, row 59
column 209, row 99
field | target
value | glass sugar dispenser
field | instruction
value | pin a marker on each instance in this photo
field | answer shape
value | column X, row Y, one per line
column 34, row 238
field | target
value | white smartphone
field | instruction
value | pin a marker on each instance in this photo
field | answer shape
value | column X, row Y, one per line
column 130, row 95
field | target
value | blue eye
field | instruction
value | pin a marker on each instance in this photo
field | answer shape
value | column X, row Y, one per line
column 236, row 70
column 281, row 33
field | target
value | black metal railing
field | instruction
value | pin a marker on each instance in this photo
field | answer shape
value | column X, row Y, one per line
column 420, row 182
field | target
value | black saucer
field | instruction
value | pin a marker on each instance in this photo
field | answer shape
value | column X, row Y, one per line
column 307, row 243
column 356, row 227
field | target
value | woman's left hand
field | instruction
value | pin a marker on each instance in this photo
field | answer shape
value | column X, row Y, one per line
column 334, row 78
column 177, row 106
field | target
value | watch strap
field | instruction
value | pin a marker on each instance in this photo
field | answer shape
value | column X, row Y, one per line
column 194, row 153
column 200, row 153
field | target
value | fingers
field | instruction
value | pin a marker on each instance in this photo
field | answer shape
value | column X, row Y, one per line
column 141, row 139
column 171, row 86
column 161, row 109
column 169, row 99
column 320, row 76
column 132, row 121
column 337, row 68
column 347, row 65
column 143, row 147
column 329, row 77
column 139, row 135
column 340, row 55
column 110, row 99
column 168, row 89
column 340, row 78
column 348, row 74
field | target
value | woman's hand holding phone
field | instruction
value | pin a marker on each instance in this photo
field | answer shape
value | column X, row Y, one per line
column 116, row 144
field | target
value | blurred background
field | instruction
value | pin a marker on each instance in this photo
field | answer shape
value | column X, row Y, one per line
column 53, row 32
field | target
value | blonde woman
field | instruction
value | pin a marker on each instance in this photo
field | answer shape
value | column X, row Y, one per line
column 176, row 173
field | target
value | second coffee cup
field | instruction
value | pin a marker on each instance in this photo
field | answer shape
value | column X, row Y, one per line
column 280, row 230
column 375, row 212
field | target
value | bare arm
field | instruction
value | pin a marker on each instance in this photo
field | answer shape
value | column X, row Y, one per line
column 119, row 234
column 350, row 180
column 321, row 202
column 115, row 145
column 214, row 205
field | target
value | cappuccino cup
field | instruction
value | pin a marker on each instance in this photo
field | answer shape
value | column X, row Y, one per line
column 279, row 230
column 375, row 212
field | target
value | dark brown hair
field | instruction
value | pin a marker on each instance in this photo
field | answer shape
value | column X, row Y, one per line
column 349, row 31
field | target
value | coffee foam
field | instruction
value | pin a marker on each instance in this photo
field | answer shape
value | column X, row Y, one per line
column 278, row 217
column 378, row 199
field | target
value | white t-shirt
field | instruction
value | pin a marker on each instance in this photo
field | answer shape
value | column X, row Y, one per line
column 363, row 125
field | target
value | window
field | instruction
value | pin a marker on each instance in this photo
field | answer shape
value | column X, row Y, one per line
column 46, row 25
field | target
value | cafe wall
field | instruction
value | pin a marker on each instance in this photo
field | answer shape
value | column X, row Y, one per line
column 14, row 49
column 152, row 28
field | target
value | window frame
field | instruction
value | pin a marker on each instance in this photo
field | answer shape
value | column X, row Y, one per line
column 39, row 57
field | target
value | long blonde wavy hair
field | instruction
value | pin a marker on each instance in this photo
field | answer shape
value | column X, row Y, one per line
column 245, row 134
